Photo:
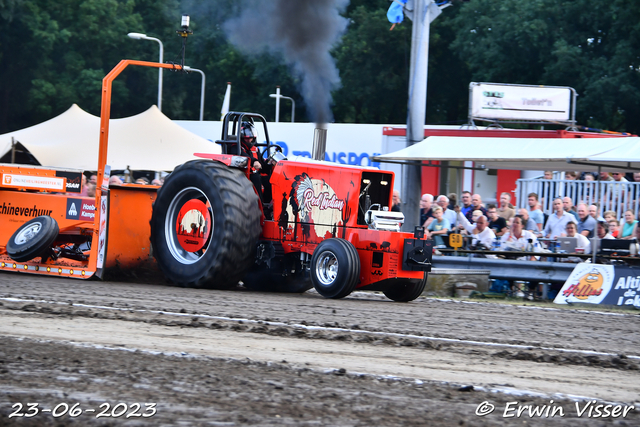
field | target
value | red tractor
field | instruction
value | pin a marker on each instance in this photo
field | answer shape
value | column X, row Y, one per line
column 217, row 220
column 289, row 226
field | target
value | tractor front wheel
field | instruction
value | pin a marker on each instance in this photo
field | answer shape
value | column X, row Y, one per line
column 205, row 225
column 335, row 268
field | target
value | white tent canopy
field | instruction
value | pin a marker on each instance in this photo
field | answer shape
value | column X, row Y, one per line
column 626, row 154
column 580, row 154
column 147, row 141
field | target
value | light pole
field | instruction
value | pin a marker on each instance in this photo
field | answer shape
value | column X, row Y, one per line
column 424, row 11
column 277, row 96
column 187, row 68
column 139, row 36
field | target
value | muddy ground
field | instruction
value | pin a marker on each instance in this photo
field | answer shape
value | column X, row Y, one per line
column 243, row 358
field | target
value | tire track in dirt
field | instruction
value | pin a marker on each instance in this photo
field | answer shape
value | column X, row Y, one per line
column 508, row 324
column 364, row 333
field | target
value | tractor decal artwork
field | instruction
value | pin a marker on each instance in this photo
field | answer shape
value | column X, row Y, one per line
column 193, row 225
column 313, row 203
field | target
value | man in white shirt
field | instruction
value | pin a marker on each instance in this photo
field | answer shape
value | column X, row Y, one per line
column 557, row 221
column 480, row 233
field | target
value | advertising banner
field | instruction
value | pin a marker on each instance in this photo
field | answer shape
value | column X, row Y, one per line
column 347, row 143
column 513, row 102
column 74, row 181
column 601, row 284
column 102, row 235
column 33, row 182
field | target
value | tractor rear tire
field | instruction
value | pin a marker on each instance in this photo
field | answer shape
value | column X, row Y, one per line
column 405, row 290
column 33, row 238
column 221, row 211
column 335, row 268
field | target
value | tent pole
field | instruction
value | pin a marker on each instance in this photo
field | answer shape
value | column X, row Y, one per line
column 13, row 150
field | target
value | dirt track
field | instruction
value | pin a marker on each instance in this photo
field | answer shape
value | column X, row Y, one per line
column 242, row 358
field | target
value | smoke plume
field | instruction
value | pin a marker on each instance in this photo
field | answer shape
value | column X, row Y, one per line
column 303, row 31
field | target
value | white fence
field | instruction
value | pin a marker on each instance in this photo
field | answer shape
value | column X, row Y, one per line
column 610, row 195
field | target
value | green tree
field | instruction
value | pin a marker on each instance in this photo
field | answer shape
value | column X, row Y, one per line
column 585, row 44
column 253, row 77
column 56, row 53
column 374, row 67
column 53, row 54
column 373, row 64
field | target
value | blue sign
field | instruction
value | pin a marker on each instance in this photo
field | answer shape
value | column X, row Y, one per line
column 342, row 157
column 602, row 284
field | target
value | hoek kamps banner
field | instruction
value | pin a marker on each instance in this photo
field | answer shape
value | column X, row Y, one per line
column 602, row 284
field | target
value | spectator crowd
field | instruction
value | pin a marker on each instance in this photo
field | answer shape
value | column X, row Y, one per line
column 90, row 181
column 501, row 227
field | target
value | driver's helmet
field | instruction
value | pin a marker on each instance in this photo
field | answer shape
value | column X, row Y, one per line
column 248, row 135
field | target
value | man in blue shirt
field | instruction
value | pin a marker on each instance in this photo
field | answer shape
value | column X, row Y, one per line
column 535, row 213
column 476, row 204
column 466, row 202
column 586, row 224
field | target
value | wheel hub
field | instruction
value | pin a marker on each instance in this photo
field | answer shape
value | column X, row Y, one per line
column 193, row 225
column 28, row 234
column 327, row 268
column 188, row 225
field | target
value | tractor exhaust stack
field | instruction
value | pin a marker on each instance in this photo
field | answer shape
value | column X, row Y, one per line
column 319, row 142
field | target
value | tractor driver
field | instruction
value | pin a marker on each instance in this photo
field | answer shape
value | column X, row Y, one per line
column 260, row 168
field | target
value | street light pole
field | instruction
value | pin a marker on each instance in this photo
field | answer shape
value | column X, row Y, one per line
column 139, row 36
column 424, row 11
column 277, row 96
column 201, row 89
column 293, row 108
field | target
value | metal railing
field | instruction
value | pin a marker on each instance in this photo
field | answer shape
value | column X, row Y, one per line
column 610, row 195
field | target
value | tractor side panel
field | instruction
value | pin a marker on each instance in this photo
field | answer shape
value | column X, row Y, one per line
column 381, row 252
column 18, row 207
column 73, row 214
column 130, row 208
column 314, row 202
column 381, row 255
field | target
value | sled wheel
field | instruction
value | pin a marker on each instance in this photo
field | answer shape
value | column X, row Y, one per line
column 286, row 275
column 205, row 225
column 335, row 268
column 404, row 290
column 33, row 238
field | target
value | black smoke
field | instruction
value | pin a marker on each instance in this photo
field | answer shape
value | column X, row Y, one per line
column 303, row 31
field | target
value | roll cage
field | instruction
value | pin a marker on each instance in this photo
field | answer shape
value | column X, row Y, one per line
column 230, row 141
